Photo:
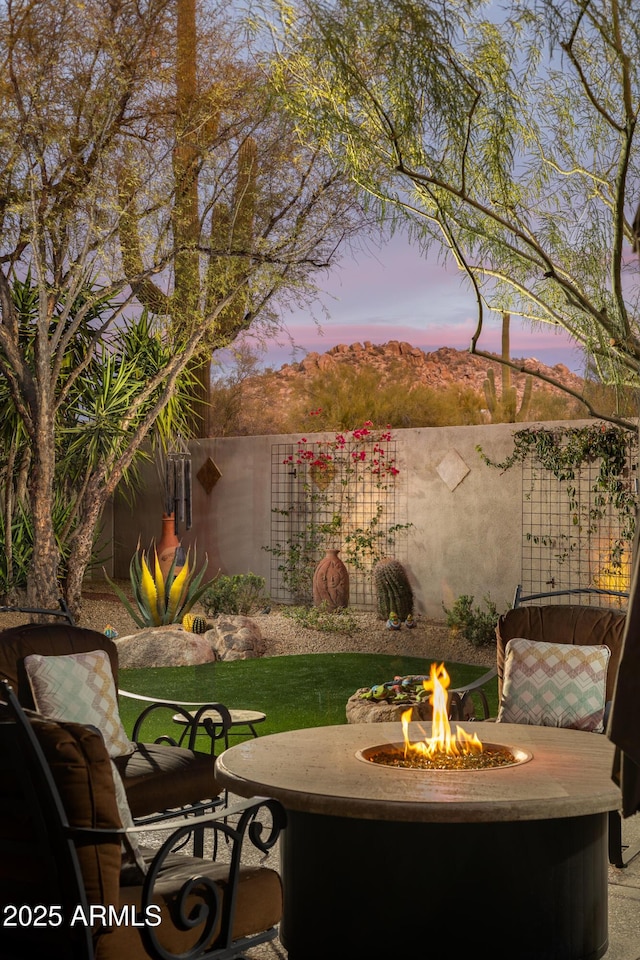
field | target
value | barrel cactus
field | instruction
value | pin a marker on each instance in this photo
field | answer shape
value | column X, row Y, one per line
column 194, row 623
column 393, row 590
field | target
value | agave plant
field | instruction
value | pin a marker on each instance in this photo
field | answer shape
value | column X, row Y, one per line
column 162, row 601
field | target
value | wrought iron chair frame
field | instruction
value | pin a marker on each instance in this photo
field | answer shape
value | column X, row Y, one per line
column 62, row 874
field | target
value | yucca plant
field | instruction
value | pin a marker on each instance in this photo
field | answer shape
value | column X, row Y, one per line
column 162, row 601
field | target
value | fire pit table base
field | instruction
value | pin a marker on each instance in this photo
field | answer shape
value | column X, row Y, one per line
column 521, row 890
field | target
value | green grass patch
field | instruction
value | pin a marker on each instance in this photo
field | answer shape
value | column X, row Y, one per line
column 308, row 690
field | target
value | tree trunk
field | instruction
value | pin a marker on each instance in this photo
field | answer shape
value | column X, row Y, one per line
column 79, row 559
column 96, row 496
column 43, row 589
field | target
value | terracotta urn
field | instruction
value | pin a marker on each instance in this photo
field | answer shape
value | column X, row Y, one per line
column 168, row 544
column 331, row 582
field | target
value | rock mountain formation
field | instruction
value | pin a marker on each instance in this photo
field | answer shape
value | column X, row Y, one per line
column 438, row 369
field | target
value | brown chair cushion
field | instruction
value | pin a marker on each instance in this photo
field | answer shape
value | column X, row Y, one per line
column 156, row 776
column 557, row 623
column 81, row 770
column 258, row 907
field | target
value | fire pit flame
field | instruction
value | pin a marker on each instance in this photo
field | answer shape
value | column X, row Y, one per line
column 443, row 750
column 442, row 740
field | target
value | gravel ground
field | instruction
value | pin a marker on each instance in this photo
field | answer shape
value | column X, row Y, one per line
column 430, row 638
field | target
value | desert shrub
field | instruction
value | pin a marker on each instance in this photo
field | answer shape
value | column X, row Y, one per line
column 345, row 397
column 475, row 624
column 321, row 618
column 242, row 593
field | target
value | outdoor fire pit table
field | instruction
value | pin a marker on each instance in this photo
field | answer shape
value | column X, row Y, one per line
column 384, row 861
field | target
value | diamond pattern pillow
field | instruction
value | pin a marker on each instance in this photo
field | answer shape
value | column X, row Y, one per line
column 79, row 688
column 554, row 684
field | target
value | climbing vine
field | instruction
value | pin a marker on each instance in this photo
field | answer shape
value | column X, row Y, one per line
column 563, row 452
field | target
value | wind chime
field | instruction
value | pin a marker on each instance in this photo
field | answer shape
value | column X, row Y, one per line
column 177, row 487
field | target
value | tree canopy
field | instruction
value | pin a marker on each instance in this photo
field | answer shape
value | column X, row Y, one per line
column 144, row 163
column 505, row 136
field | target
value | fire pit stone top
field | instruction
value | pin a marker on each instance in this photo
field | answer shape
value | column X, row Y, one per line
column 317, row 770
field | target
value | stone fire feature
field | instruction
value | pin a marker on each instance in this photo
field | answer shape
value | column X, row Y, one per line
column 533, row 835
column 381, row 711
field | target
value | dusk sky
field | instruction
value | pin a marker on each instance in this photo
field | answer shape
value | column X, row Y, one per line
column 393, row 293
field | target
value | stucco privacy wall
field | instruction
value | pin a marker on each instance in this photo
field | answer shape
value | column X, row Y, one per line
column 465, row 539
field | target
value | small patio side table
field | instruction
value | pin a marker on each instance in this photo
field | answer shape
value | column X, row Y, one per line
column 210, row 721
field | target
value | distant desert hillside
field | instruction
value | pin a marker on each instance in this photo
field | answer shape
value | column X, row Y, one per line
column 438, row 369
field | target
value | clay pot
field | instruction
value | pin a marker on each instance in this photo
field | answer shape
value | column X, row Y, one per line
column 168, row 544
column 331, row 582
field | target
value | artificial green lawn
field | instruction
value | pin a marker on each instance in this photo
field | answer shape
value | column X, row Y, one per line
column 308, row 690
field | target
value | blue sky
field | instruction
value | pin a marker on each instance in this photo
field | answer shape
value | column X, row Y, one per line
column 394, row 293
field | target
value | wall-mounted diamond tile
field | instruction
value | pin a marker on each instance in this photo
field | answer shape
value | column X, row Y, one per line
column 452, row 469
column 208, row 474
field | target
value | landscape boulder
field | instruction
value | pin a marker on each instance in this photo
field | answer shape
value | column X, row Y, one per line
column 170, row 646
column 235, row 638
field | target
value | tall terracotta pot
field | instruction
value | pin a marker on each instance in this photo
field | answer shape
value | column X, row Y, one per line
column 331, row 582
column 168, row 544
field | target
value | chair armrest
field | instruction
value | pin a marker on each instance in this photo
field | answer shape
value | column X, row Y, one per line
column 221, row 814
column 138, row 696
column 462, row 699
column 217, row 729
column 63, row 612
column 210, row 909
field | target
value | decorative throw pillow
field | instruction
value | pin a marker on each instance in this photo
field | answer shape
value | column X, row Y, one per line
column 79, row 687
column 554, row 684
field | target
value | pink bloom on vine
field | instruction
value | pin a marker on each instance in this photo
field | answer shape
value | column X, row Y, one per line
column 368, row 423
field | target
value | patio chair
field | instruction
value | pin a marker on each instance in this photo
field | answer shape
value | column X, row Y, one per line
column 159, row 778
column 565, row 624
column 75, row 882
